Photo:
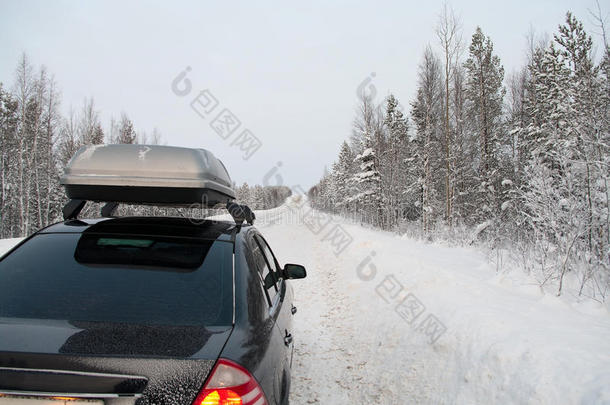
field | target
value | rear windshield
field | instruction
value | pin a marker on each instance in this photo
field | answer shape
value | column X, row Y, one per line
column 119, row 279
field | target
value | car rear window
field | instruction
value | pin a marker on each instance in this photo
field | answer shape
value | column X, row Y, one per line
column 119, row 279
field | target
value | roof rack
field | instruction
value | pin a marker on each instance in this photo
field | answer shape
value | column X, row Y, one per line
column 239, row 212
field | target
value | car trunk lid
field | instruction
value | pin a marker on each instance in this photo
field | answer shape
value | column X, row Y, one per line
column 123, row 364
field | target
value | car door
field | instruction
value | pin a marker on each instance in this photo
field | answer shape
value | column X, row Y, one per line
column 275, row 354
column 282, row 304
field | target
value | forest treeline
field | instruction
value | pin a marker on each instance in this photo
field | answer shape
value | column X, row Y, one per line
column 37, row 140
column 262, row 197
column 519, row 162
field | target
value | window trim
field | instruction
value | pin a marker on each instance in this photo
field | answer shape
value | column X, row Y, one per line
column 272, row 269
column 251, row 251
column 279, row 281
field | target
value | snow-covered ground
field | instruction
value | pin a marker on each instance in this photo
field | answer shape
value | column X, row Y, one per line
column 359, row 338
column 389, row 320
column 7, row 244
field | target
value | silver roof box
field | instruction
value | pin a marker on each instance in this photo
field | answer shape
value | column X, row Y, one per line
column 147, row 174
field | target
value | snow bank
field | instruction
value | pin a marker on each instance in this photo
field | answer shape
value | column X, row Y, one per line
column 7, row 244
column 363, row 331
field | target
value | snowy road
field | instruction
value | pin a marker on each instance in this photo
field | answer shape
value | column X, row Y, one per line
column 359, row 340
column 367, row 315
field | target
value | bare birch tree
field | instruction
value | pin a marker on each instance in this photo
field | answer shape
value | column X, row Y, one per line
column 448, row 32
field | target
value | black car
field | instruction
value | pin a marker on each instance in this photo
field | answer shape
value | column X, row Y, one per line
column 145, row 310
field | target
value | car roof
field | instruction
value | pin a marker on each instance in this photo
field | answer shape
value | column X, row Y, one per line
column 158, row 226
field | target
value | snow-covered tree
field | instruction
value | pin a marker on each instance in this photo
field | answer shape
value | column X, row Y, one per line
column 394, row 167
column 244, row 195
column 9, row 153
column 89, row 128
column 367, row 178
column 126, row 132
column 484, row 95
column 343, row 178
column 427, row 116
column 449, row 34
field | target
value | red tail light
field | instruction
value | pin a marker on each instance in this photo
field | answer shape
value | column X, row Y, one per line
column 230, row 384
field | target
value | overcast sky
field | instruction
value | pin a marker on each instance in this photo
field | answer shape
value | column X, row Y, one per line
column 288, row 71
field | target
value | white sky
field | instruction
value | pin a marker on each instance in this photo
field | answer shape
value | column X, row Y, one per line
column 288, row 71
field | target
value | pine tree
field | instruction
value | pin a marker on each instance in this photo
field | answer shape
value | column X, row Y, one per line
column 369, row 182
column 484, row 95
column 244, row 195
column 517, row 120
column 126, row 132
column 97, row 137
column 398, row 153
column 368, row 129
column 258, row 197
column 343, row 174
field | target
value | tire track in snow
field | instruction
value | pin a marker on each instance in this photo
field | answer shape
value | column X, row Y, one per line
column 321, row 355
column 330, row 358
column 336, row 347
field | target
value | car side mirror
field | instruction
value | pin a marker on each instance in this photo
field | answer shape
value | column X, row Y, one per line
column 294, row 271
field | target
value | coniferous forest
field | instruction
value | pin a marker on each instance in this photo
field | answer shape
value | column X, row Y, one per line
column 518, row 162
